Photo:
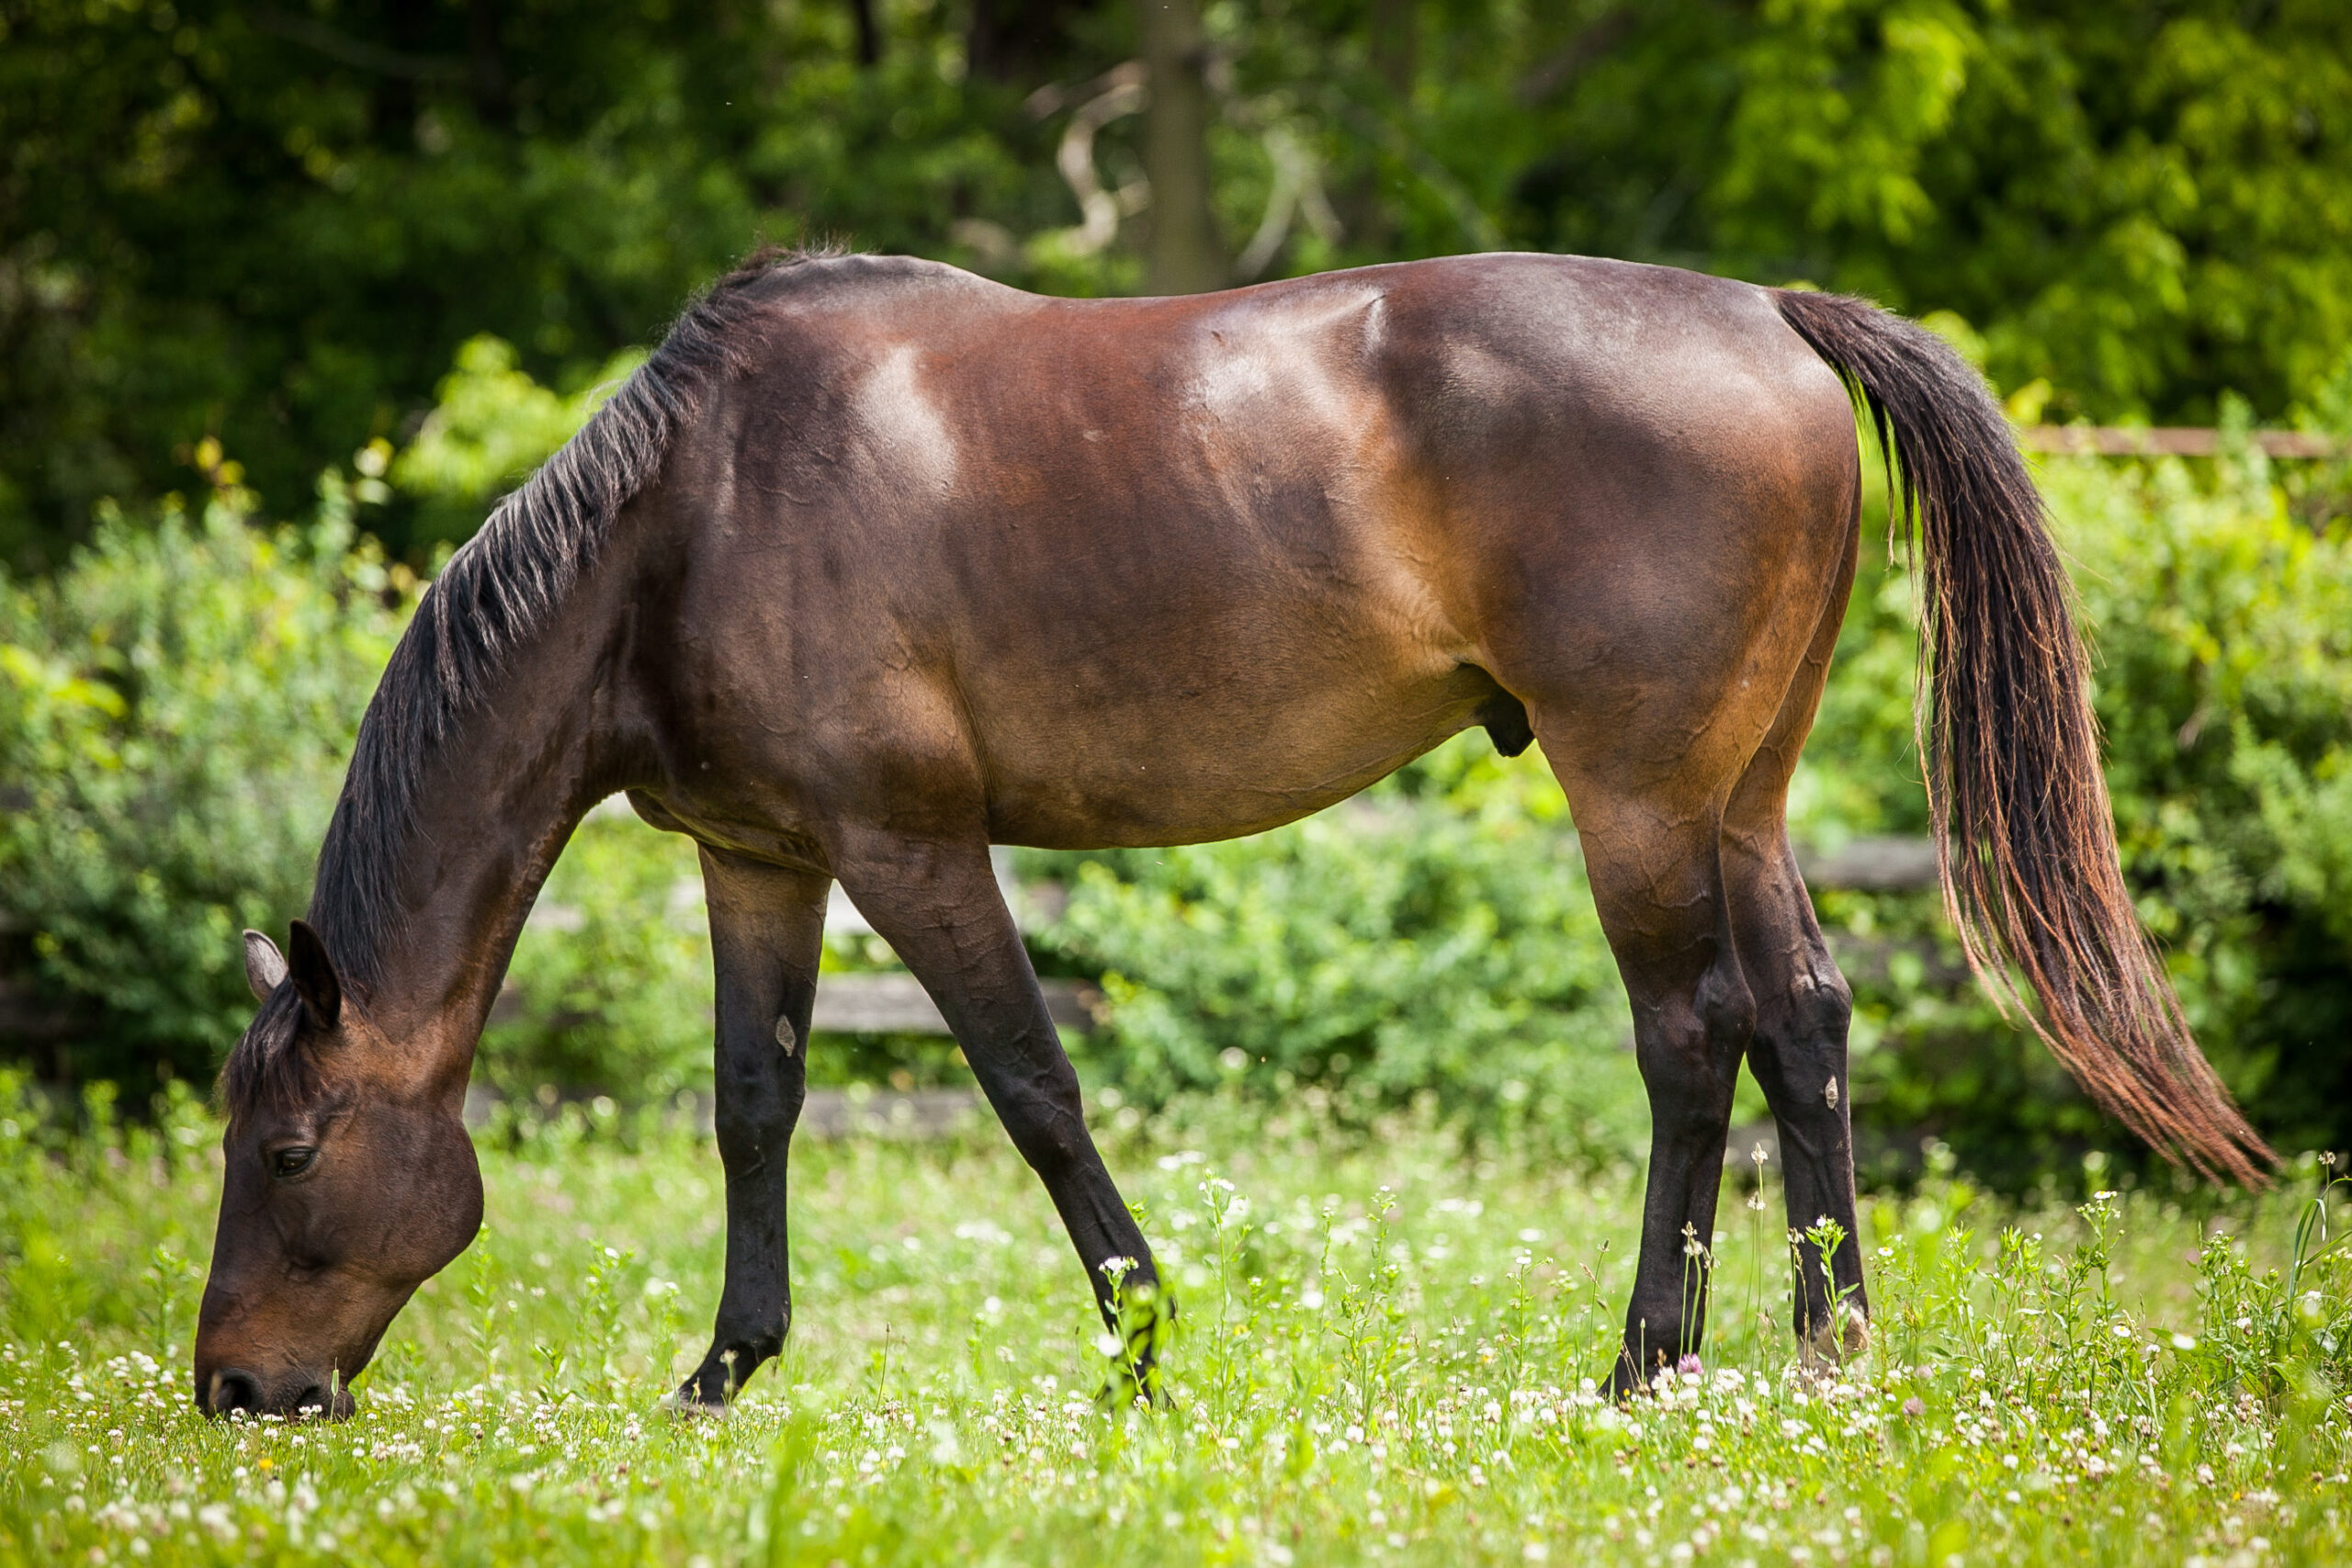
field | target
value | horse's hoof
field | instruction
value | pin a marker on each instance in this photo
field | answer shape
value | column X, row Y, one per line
column 690, row 1407
column 1844, row 1337
column 1625, row 1382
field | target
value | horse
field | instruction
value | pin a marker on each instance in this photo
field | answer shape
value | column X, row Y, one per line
column 875, row 563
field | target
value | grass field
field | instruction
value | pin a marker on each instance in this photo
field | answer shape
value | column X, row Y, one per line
column 1385, row 1354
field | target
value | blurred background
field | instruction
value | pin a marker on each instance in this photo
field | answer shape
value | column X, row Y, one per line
column 291, row 292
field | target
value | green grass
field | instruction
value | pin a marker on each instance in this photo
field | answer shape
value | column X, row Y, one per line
column 1384, row 1356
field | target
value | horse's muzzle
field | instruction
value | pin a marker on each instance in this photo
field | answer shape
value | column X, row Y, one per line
column 228, row 1389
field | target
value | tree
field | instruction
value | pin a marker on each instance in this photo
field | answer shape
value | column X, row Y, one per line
column 275, row 225
column 1184, row 255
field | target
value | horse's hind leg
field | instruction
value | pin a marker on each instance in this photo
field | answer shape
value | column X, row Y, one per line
column 1651, row 737
column 767, row 931
column 1658, row 887
column 1802, row 1008
column 1798, row 1055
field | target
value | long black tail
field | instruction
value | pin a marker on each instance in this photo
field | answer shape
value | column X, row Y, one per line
column 2025, row 836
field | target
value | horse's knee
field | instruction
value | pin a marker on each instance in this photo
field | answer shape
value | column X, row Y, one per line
column 754, row 1114
column 1054, row 1144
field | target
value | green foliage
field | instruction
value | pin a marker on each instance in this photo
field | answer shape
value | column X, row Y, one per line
column 2226, row 625
column 275, row 229
column 1382, row 1352
column 1434, row 938
column 2137, row 203
column 492, row 426
column 176, row 707
column 181, row 699
column 612, row 972
column 2222, row 625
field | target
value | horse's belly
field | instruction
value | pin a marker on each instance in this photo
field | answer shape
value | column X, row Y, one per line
column 1190, row 774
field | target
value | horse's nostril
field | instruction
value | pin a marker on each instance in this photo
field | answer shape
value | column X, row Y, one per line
column 232, row 1390
column 322, row 1401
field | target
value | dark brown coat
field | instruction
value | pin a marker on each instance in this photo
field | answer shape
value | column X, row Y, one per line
column 876, row 563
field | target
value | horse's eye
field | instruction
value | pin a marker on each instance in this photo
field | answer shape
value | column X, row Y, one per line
column 292, row 1161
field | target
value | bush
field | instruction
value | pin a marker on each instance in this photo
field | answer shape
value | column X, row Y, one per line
column 2222, row 629
column 1434, row 938
column 175, row 709
column 613, row 971
column 2226, row 626
column 492, row 426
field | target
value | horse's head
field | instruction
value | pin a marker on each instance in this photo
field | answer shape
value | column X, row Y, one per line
column 350, row 1181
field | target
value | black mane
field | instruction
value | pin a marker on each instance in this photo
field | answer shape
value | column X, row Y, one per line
column 498, row 591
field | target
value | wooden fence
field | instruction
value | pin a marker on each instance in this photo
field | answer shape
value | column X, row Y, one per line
column 896, row 1003
column 2172, row 441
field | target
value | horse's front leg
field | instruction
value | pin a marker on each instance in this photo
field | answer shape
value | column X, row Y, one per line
column 767, row 933
column 938, row 905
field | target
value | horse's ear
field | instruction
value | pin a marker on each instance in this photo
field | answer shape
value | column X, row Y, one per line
column 315, row 978
column 265, row 966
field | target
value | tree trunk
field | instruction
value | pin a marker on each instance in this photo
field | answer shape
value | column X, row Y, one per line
column 1395, row 44
column 869, row 35
column 1018, row 41
column 1394, row 35
column 1184, row 254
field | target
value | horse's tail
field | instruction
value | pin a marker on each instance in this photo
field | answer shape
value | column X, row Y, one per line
column 2025, row 838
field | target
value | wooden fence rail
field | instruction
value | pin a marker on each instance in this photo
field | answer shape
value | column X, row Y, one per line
column 2172, row 441
column 887, row 1003
column 897, row 1004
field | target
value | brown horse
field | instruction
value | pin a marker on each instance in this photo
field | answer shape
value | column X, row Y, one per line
column 875, row 563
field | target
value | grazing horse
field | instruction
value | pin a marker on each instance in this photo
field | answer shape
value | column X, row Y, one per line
column 875, row 563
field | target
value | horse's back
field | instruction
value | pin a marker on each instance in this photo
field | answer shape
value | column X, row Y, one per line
column 1143, row 571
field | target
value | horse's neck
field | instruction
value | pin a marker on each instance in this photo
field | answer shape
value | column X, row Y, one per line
column 495, row 797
